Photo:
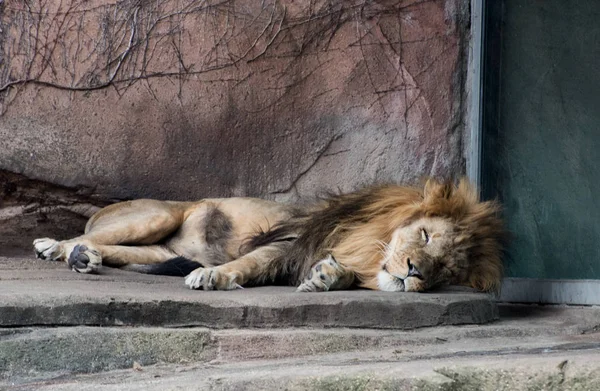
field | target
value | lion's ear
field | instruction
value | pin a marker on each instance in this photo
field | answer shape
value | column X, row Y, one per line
column 461, row 238
column 467, row 191
column 435, row 190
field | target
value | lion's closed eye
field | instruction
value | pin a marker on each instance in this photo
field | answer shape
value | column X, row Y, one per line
column 425, row 235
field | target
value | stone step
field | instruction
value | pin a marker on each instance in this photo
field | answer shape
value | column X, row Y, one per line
column 264, row 338
column 27, row 354
column 563, row 370
column 59, row 297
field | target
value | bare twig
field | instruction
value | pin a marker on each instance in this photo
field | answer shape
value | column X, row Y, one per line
column 129, row 46
column 53, row 44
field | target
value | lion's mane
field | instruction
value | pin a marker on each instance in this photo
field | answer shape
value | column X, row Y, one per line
column 352, row 227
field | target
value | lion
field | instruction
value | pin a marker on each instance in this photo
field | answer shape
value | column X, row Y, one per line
column 384, row 237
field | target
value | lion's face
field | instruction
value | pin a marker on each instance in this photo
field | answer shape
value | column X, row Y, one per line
column 421, row 255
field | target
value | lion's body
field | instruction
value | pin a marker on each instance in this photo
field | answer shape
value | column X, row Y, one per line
column 385, row 237
column 209, row 231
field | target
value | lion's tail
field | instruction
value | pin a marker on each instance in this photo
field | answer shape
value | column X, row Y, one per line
column 177, row 267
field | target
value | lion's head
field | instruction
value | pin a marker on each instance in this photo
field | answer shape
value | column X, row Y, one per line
column 421, row 255
column 417, row 239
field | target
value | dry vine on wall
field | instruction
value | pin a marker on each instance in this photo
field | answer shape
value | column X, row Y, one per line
column 87, row 45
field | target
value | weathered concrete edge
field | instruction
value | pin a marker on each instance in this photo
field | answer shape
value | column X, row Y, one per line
column 466, row 378
column 35, row 354
column 455, row 378
column 167, row 313
column 568, row 369
column 86, row 350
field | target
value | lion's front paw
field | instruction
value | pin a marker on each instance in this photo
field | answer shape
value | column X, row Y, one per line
column 46, row 248
column 321, row 276
column 84, row 259
column 326, row 275
column 318, row 280
column 212, row 278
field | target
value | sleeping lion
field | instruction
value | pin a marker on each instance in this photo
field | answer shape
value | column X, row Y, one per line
column 387, row 237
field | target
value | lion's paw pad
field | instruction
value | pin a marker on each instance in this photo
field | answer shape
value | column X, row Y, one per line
column 84, row 259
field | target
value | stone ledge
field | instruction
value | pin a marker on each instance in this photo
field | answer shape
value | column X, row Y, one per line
column 34, row 354
column 54, row 296
column 48, row 359
column 54, row 352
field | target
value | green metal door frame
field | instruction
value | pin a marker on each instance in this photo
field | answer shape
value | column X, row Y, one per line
column 476, row 63
column 483, row 78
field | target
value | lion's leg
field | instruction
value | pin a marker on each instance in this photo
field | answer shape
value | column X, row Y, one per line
column 84, row 259
column 254, row 266
column 144, row 255
column 327, row 275
column 135, row 222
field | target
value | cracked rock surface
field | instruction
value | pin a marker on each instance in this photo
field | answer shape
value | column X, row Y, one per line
column 273, row 99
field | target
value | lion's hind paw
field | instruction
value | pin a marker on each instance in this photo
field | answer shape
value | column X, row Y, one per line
column 84, row 259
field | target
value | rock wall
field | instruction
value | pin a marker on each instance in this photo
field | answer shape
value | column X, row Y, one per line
column 183, row 99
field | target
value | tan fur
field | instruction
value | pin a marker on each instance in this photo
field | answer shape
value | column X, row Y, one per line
column 386, row 237
column 150, row 231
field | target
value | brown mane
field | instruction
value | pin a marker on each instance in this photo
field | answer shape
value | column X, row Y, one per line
column 352, row 227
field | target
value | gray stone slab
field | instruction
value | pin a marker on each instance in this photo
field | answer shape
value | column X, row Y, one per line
column 38, row 295
column 31, row 357
column 563, row 370
column 36, row 354
column 53, row 352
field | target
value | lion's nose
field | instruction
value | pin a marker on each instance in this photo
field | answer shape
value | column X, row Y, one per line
column 412, row 270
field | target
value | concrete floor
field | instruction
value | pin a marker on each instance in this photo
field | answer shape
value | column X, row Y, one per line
column 64, row 331
column 35, row 292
